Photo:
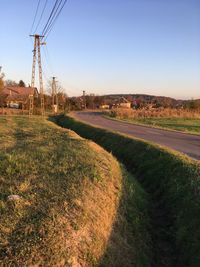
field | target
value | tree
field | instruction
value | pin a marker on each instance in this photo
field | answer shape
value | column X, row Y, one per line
column 193, row 104
column 90, row 101
column 22, row 83
column 1, row 82
column 59, row 88
column 61, row 95
column 75, row 103
column 98, row 101
column 1, row 89
column 10, row 83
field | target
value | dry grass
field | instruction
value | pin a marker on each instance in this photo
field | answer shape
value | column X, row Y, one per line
column 153, row 113
column 71, row 193
column 174, row 119
column 13, row 111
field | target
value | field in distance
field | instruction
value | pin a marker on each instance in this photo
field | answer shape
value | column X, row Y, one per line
column 65, row 201
column 179, row 120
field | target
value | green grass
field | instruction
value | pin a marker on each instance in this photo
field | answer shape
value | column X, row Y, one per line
column 77, row 203
column 172, row 182
column 178, row 124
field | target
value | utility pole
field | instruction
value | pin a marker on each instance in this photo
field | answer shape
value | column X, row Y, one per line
column 54, row 96
column 37, row 55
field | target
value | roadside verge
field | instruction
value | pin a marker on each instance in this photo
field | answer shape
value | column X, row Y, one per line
column 65, row 201
column 172, row 181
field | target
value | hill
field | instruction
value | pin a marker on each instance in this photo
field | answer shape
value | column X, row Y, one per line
column 148, row 99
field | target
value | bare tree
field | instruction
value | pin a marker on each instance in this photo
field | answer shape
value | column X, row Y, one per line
column 10, row 83
column 1, row 82
column 1, row 89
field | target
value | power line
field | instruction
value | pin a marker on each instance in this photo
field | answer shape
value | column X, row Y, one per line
column 57, row 9
column 53, row 23
column 51, row 14
column 47, row 59
column 53, row 17
column 35, row 15
column 41, row 15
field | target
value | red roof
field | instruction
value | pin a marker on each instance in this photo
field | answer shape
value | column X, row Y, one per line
column 20, row 98
column 16, row 90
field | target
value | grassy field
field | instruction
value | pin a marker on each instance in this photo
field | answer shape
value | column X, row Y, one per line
column 168, row 119
column 172, row 182
column 178, row 124
column 77, row 205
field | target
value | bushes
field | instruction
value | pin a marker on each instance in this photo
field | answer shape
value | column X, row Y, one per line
column 172, row 180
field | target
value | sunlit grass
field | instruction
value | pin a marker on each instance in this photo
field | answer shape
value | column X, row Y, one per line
column 181, row 120
column 180, row 124
column 70, row 198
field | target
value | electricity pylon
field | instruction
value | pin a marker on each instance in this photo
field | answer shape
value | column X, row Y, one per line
column 54, row 96
column 37, row 55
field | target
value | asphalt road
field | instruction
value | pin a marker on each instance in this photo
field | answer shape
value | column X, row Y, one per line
column 182, row 142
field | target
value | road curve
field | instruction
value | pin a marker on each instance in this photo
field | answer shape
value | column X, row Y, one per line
column 182, row 142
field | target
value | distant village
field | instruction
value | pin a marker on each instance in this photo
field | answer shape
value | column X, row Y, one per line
column 17, row 96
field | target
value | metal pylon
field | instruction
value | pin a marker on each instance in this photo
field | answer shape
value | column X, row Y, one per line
column 31, row 105
column 37, row 55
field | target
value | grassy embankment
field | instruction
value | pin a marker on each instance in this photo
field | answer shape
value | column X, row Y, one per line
column 172, row 181
column 179, row 120
column 77, row 205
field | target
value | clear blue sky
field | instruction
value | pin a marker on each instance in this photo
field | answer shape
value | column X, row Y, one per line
column 110, row 46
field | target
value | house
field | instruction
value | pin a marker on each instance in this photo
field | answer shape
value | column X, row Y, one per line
column 17, row 97
column 122, row 102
